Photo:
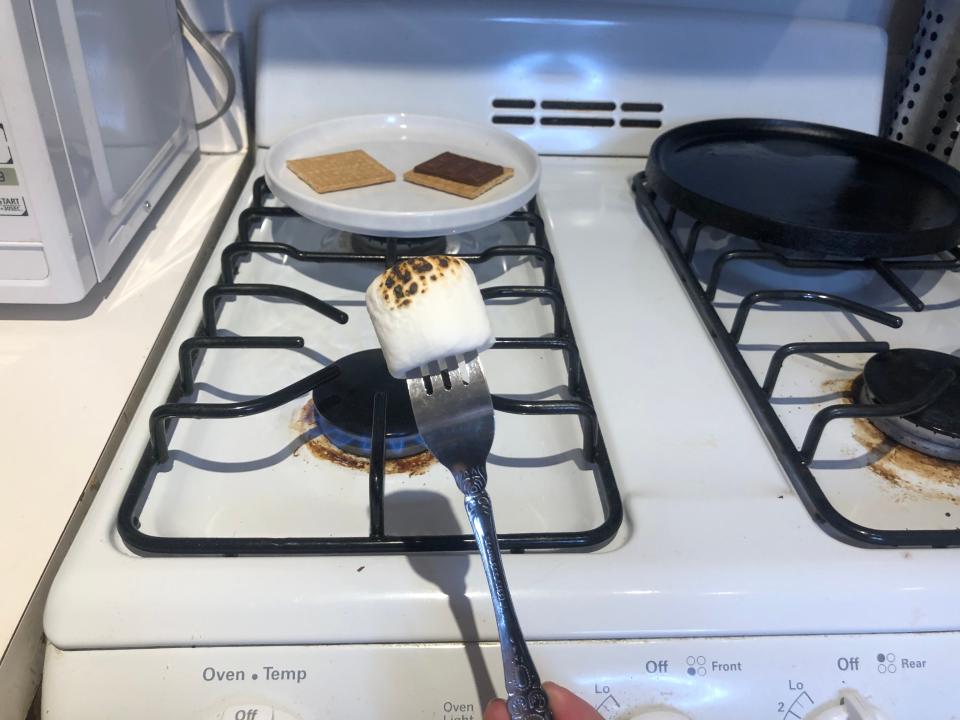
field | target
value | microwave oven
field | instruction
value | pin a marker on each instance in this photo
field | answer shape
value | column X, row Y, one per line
column 96, row 120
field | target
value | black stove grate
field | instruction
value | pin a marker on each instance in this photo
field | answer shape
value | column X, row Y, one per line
column 796, row 461
column 377, row 541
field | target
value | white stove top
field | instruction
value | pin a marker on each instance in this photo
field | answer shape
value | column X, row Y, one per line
column 866, row 480
column 715, row 549
column 714, row 541
column 271, row 474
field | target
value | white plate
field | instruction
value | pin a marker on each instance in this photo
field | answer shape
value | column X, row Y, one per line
column 400, row 141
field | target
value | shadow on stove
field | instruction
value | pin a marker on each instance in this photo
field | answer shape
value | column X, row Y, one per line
column 447, row 571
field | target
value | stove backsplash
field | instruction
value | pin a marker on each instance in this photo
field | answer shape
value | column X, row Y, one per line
column 569, row 78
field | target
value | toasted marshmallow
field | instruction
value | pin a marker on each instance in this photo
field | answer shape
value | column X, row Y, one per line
column 427, row 309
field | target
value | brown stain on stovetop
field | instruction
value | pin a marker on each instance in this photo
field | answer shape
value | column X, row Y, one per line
column 839, row 385
column 845, row 387
column 895, row 463
column 322, row 449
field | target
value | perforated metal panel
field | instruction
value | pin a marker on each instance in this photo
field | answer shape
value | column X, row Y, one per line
column 926, row 113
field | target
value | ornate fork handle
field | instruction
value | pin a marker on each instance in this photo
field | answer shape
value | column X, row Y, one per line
column 526, row 699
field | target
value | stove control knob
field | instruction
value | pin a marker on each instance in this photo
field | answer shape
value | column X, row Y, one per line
column 659, row 713
column 850, row 706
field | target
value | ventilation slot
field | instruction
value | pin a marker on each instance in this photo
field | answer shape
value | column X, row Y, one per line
column 641, row 107
column 514, row 104
column 578, row 105
column 512, row 120
column 636, row 123
column 578, row 121
column 581, row 113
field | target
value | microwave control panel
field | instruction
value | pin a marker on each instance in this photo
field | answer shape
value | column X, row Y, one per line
column 13, row 202
column 21, row 251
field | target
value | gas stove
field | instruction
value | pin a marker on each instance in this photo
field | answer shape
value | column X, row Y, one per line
column 252, row 554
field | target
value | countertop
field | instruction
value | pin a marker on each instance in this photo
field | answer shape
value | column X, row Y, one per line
column 68, row 379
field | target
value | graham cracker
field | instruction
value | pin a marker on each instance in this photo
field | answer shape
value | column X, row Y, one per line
column 471, row 192
column 340, row 171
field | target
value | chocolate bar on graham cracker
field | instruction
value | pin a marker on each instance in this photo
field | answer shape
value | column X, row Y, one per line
column 340, row 171
column 459, row 169
column 459, row 175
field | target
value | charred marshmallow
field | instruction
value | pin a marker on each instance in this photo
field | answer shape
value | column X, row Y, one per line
column 427, row 309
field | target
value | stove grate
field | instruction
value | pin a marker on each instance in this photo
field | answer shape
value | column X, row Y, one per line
column 377, row 541
column 884, row 268
column 796, row 461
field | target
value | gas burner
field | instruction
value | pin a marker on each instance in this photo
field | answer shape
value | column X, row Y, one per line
column 899, row 375
column 436, row 245
column 344, row 407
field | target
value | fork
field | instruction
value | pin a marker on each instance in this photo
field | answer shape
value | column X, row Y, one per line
column 454, row 414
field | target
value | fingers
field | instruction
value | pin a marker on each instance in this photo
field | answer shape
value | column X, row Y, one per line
column 496, row 710
column 567, row 706
column 563, row 703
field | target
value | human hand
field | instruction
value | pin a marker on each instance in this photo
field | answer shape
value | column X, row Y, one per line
column 563, row 704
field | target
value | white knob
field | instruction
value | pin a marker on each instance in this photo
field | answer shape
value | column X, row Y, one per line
column 851, row 706
column 659, row 714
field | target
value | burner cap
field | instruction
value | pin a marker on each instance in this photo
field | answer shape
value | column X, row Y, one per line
column 899, row 375
column 344, row 407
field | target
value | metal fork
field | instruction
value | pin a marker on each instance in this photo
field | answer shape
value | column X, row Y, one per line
column 454, row 414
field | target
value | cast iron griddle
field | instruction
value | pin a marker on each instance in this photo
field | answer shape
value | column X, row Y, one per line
column 808, row 187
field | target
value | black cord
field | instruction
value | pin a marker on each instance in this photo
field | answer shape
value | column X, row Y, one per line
column 191, row 27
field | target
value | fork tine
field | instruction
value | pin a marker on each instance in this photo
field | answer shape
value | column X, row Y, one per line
column 417, row 387
column 456, row 377
column 472, row 371
column 475, row 372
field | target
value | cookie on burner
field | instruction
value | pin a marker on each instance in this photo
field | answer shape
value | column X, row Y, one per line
column 340, row 171
column 459, row 169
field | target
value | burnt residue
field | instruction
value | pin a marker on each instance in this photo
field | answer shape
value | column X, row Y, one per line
column 408, row 278
column 841, row 386
column 421, row 265
column 905, row 467
column 321, row 448
column 902, row 467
